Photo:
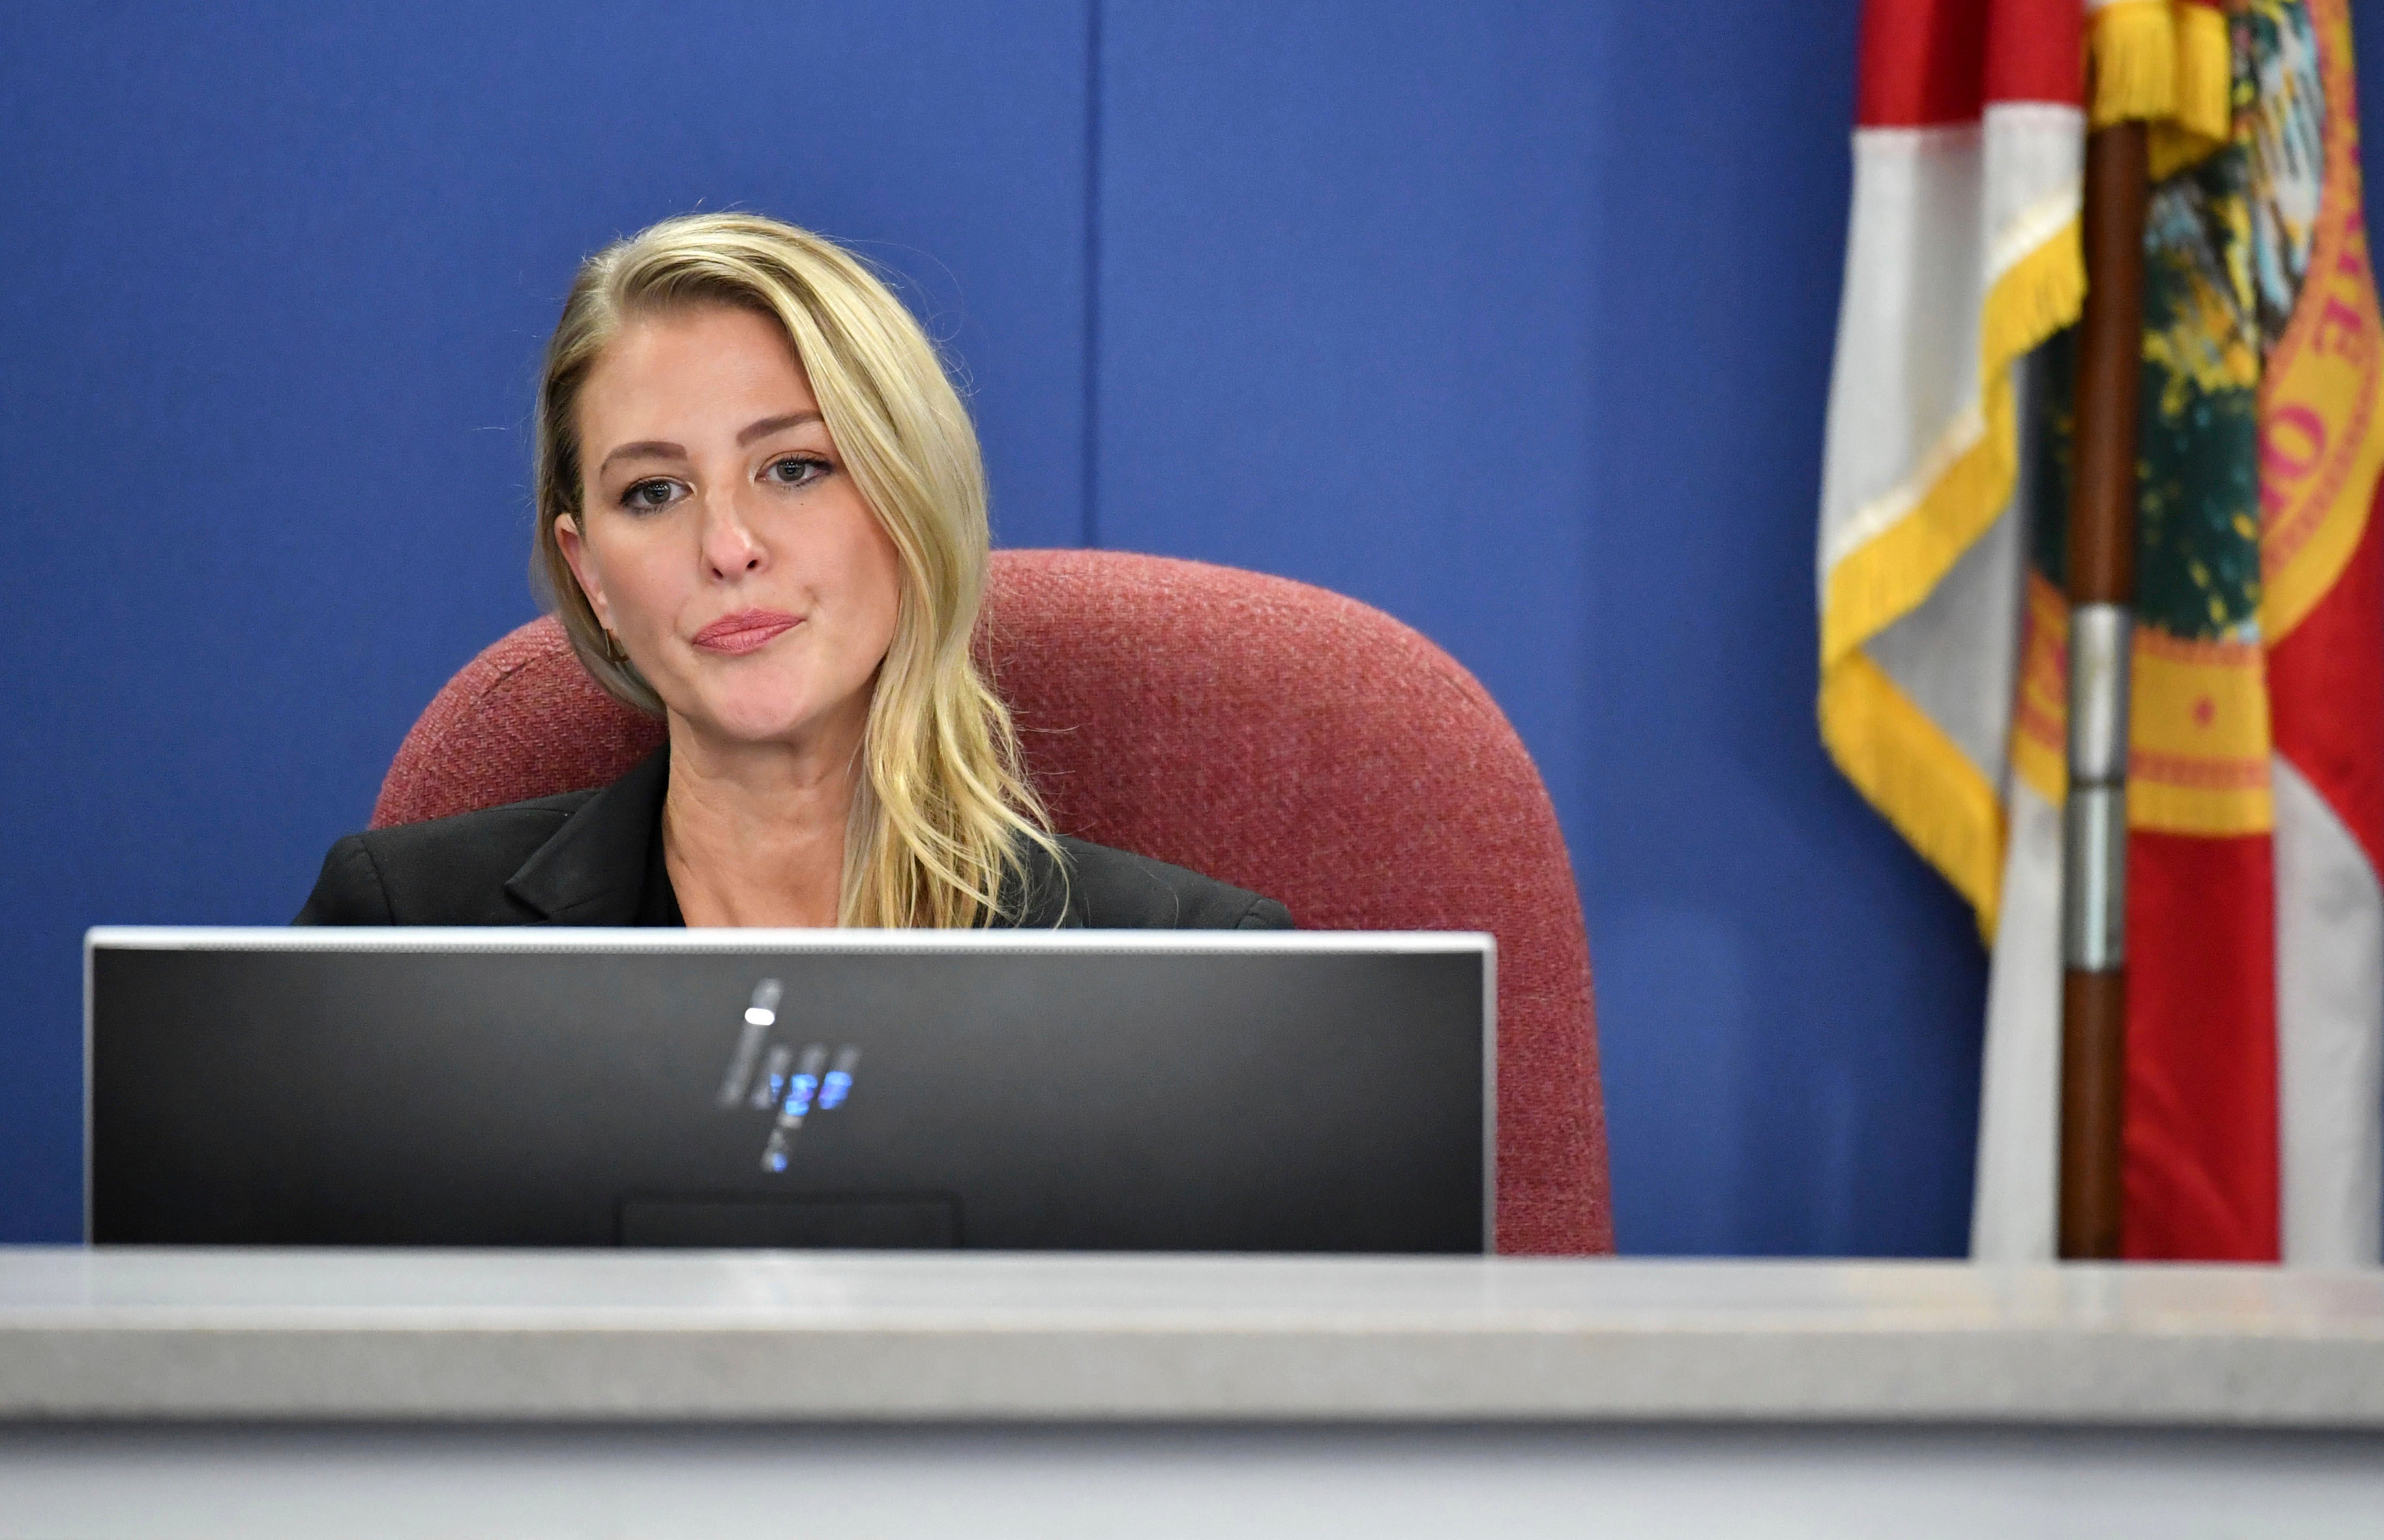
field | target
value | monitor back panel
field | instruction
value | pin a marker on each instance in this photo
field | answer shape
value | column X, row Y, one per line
column 409, row 1087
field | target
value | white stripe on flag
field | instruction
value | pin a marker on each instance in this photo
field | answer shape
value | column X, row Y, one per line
column 2036, row 177
column 2329, row 1032
column 2014, row 1216
column 1939, row 214
column 1904, row 386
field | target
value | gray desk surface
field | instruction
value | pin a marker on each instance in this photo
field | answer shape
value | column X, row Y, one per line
column 751, row 1337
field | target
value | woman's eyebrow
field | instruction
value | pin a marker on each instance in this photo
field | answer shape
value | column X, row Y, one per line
column 771, row 425
column 649, row 449
column 657, row 449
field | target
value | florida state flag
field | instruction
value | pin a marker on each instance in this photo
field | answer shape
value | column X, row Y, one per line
column 2256, row 924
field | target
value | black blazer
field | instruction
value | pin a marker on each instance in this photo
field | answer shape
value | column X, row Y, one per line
column 591, row 858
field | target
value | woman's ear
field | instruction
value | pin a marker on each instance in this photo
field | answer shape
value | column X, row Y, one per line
column 574, row 552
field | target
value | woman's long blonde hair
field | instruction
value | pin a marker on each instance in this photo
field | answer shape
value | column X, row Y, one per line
column 942, row 804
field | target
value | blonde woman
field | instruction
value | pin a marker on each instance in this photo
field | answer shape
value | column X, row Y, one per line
column 761, row 515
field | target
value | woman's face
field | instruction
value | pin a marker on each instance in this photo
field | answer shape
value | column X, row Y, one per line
column 724, row 545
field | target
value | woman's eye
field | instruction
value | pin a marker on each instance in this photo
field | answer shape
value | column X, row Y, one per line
column 796, row 470
column 646, row 496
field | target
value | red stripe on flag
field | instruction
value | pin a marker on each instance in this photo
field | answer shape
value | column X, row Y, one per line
column 2202, row 1161
column 2036, row 52
column 2326, row 692
column 1928, row 62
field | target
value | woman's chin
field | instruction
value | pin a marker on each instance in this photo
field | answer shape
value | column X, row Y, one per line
column 741, row 718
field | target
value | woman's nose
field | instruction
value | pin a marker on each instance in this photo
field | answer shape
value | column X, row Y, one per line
column 731, row 546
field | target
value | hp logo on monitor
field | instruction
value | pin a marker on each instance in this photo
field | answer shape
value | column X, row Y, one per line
column 796, row 1085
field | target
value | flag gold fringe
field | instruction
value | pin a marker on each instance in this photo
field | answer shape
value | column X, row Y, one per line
column 1902, row 762
column 2205, row 74
column 2169, row 63
column 2134, row 45
column 1919, row 778
column 1878, row 584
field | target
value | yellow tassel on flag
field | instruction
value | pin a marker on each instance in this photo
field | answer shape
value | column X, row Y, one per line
column 2169, row 63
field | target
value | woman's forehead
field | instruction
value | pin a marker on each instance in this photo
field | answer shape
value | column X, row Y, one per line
column 712, row 367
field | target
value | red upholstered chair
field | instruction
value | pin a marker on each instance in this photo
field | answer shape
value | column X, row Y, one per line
column 1271, row 735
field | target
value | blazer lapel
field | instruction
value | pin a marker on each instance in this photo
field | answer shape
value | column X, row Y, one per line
column 592, row 869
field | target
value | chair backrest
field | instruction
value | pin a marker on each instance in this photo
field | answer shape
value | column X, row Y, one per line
column 1271, row 735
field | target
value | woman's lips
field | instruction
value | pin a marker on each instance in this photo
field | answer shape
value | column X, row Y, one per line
column 745, row 630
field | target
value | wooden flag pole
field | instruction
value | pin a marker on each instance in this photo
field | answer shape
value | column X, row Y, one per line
column 2102, row 607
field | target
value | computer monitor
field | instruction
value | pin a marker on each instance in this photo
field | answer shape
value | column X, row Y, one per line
column 1085, row 1090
